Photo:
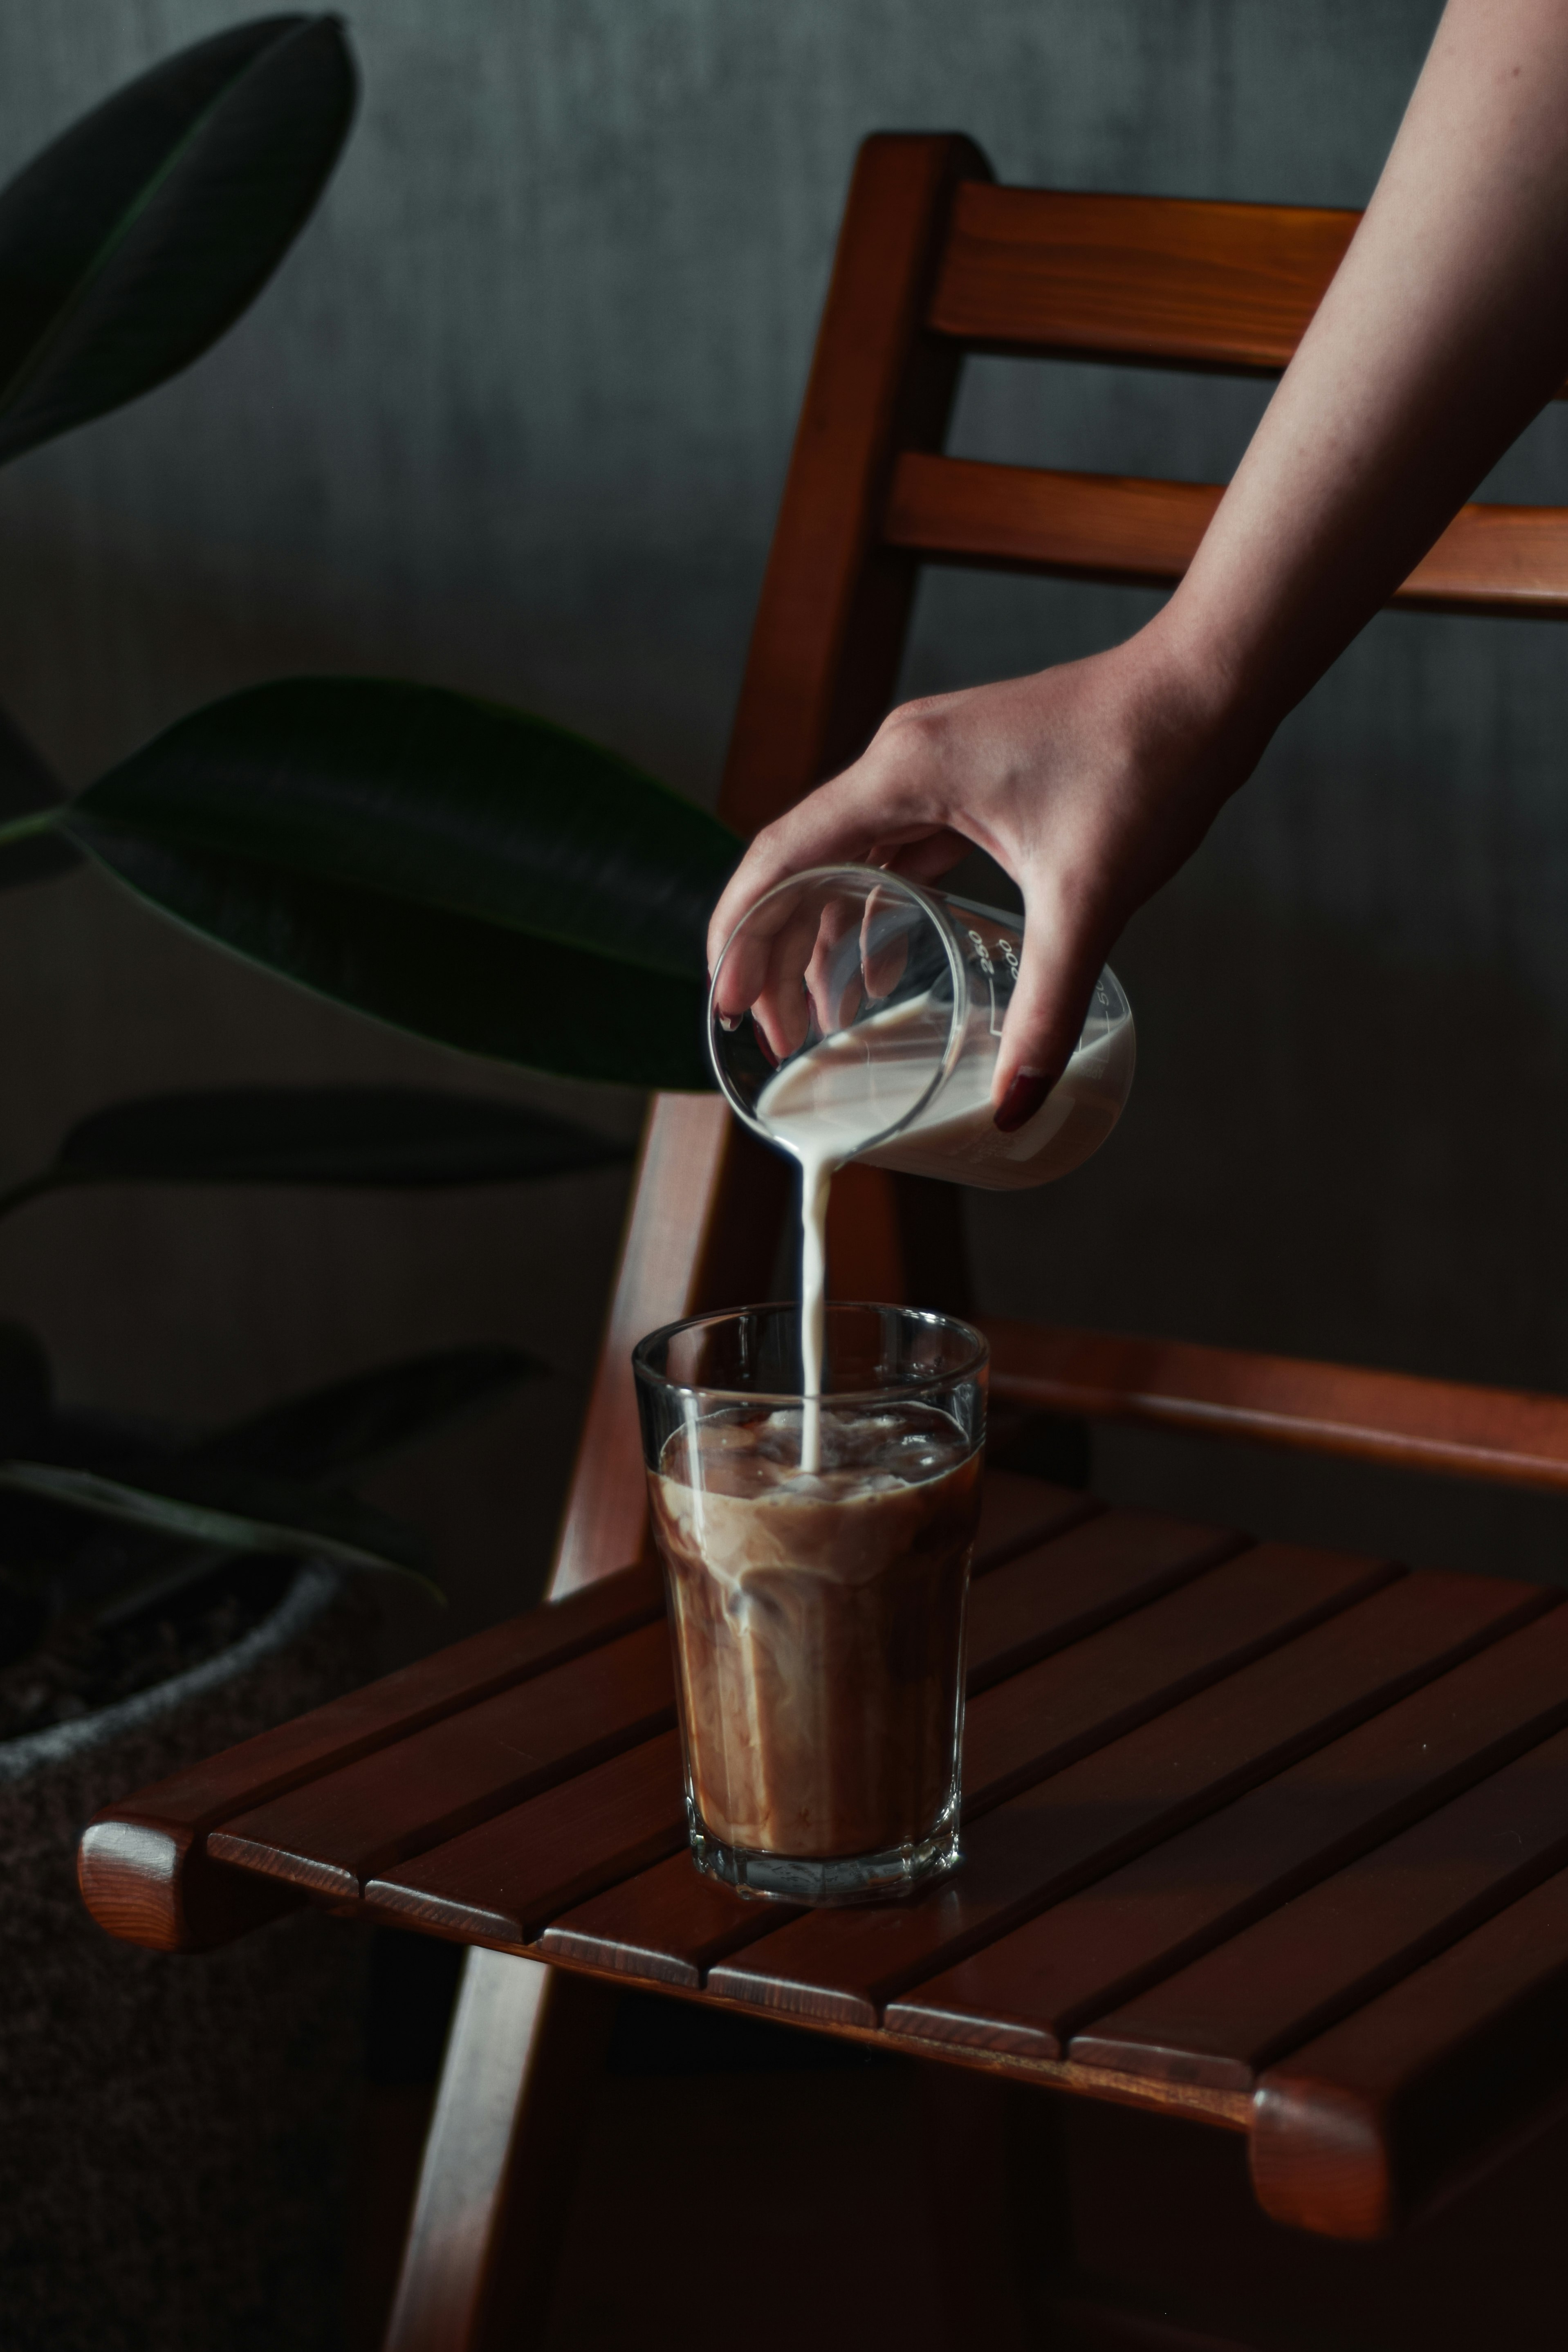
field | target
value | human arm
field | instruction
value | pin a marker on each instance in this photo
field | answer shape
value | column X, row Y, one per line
column 1445, row 330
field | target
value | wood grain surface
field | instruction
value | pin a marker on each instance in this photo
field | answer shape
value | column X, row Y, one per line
column 667, row 1925
column 502, row 1882
column 1017, row 1513
column 351, row 1825
column 1151, row 278
column 143, row 1865
column 1361, row 2124
column 1143, row 532
column 1226, row 2017
column 1505, row 1436
column 1093, row 1573
column 1029, row 1991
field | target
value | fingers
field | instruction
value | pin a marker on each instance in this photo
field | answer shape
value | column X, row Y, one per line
column 892, row 797
column 779, row 1004
column 1062, row 954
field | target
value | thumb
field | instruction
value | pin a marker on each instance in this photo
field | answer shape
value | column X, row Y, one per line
column 1057, row 971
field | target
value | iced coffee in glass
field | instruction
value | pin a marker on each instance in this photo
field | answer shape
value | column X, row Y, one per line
column 817, row 1614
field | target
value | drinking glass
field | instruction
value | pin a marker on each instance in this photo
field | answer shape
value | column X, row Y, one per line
column 818, row 1618
column 866, row 1011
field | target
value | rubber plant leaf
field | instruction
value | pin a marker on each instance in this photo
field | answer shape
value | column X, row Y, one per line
column 234, row 1511
column 29, row 789
column 336, row 1428
column 301, row 1441
column 386, row 1136
column 135, row 241
column 457, row 869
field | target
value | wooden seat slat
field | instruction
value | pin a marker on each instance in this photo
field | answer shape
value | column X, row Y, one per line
column 1226, row 2017
column 338, row 1831
column 1362, row 2124
column 668, row 1925
column 1044, row 1718
column 1134, row 1751
column 1045, row 1598
column 1029, row 1991
column 143, row 1865
column 1017, row 1513
column 505, row 1880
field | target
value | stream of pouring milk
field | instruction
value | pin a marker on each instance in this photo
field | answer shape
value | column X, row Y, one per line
column 825, row 1108
column 829, row 1105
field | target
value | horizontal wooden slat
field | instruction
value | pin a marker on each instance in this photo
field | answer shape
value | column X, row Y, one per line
column 1364, row 2123
column 1060, row 1592
column 1491, row 558
column 1030, row 518
column 1153, row 278
column 1017, row 1513
column 667, row 1925
column 336, row 1832
column 1040, row 1721
column 142, row 1866
column 1161, row 281
column 840, row 1968
column 1495, row 559
column 1030, row 1992
column 1228, row 2015
column 1505, row 1436
column 501, row 1883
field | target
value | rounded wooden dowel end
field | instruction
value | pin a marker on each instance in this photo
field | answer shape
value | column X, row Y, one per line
column 1320, row 2161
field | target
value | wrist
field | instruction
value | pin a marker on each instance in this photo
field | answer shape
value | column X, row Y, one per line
column 1201, row 706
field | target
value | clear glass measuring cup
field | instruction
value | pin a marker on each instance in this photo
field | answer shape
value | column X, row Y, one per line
column 854, row 1015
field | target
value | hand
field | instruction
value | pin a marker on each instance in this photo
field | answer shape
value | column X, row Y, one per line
column 1088, row 784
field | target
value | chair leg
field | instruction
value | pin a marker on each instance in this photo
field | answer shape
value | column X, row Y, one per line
column 525, row 2051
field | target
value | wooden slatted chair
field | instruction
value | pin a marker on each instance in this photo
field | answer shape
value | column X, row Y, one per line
column 933, row 261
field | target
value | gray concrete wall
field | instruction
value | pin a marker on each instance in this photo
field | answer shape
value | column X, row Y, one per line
column 514, row 417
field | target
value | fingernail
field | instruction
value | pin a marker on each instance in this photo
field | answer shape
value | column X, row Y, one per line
column 730, row 1021
column 1022, row 1100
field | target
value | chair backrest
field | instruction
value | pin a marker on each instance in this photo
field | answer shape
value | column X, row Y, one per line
column 934, row 260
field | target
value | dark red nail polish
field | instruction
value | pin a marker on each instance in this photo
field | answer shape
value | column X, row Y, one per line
column 1022, row 1100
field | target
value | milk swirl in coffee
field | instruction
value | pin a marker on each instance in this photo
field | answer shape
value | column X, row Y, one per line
column 819, row 1622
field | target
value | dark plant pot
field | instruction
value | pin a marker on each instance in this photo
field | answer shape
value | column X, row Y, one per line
column 174, row 2131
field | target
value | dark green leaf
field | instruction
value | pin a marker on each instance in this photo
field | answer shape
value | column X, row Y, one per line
column 459, row 870
column 29, row 785
column 237, row 1511
column 134, row 241
column 357, row 1420
column 24, row 1387
column 319, row 1135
